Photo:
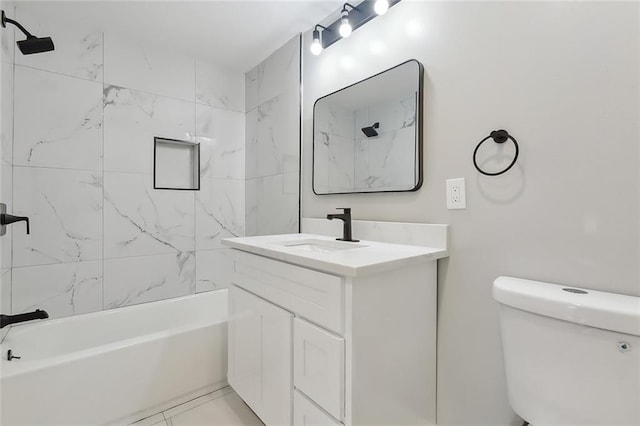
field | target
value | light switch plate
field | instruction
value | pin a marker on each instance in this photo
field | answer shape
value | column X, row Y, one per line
column 456, row 194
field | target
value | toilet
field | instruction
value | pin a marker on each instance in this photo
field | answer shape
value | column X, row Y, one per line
column 572, row 356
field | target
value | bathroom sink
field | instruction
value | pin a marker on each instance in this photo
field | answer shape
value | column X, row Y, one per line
column 319, row 246
column 326, row 254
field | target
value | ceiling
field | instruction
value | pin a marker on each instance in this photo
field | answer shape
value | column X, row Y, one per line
column 238, row 34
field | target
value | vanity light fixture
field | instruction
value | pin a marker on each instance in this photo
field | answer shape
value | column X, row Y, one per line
column 316, row 45
column 345, row 26
column 350, row 20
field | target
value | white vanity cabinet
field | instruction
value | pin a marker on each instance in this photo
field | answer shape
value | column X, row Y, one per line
column 260, row 342
column 329, row 345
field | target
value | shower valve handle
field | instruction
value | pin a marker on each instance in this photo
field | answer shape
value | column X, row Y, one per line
column 6, row 219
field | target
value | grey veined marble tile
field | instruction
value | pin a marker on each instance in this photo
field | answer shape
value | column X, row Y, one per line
column 133, row 280
column 218, row 87
column 6, row 112
column 5, row 290
column 5, row 296
column 221, row 136
column 6, row 195
column 213, row 269
column 61, row 290
column 251, row 89
column 131, row 121
column 279, row 73
column 148, row 68
column 220, row 212
column 139, row 220
column 251, row 207
column 277, row 207
column 272, row 134
column 65, row 208
column 58, row 121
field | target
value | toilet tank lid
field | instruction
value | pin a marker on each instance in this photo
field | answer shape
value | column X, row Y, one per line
column 609, row 311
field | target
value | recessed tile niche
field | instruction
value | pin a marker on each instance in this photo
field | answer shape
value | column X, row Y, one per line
column 176, row 164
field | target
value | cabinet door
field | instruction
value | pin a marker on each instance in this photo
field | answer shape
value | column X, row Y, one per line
column 244, row 345
column 260, row 360
column 319, row 366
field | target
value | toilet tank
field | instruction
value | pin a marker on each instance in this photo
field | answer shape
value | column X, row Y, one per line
column 572, row 356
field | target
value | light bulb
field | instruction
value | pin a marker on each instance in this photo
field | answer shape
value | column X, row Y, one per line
column 316, row 47
column 345, row 26
column 381, row 6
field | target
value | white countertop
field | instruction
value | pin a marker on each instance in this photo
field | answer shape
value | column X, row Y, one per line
column 369, row 257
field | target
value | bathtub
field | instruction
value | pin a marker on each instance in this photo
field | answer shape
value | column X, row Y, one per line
column 116, row 366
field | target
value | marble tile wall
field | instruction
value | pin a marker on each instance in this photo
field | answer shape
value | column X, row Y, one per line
column 273, row 142
column 6, row 156
column 82, row 166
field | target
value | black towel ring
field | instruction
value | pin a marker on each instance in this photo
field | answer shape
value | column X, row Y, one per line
column 498, row 136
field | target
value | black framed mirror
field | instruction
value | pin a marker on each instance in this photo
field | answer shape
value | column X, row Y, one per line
column 367, row 137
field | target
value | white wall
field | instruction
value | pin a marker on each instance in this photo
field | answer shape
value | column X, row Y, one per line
column 562, row 78
column 85, row 116
column 273, row 142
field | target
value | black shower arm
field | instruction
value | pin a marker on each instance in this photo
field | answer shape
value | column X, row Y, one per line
column 16, row 23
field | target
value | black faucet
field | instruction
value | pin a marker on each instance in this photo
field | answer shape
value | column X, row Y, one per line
column 345, row 217
column 6, row 320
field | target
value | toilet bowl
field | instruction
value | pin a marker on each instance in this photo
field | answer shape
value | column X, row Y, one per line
column 572, row 356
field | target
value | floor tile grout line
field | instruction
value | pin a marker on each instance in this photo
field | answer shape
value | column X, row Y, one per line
column 190, row 401
column 207, row 398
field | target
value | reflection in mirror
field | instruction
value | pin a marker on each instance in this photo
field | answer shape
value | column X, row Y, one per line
column 367, row 137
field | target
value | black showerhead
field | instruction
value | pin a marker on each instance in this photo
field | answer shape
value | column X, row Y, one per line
column 371, row 130
column 35, row 45
column 32, row 44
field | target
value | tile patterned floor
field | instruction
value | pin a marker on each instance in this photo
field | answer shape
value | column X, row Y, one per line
column 219, row 408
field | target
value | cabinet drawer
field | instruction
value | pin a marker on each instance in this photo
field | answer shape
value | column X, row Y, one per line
column 311, row 294
column 318, row 366
column 305, row 413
